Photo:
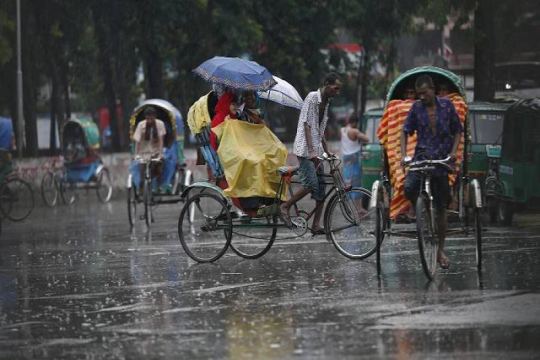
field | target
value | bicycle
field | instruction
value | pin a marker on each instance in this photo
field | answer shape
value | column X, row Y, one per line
column 348, row 225
column 16, row 198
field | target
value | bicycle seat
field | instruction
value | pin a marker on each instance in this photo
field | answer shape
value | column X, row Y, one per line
column 287, row 170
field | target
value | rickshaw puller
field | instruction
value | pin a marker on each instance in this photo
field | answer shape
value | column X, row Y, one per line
column 148, row 139
column 438, row 129
column 310, row 144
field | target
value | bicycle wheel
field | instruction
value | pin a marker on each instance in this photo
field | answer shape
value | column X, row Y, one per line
column 478, row 238
column 252, row 240
column 16, row 199
column 207, row 238
column 147, row 199
column 380, row 224
column 350, row 226
column 428, row 242
column 104, row 187
column 132, row 205
column 49, row 189
column 67, row 192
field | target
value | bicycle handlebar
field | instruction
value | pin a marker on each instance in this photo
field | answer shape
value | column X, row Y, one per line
column 144, row 161
column 419, row 163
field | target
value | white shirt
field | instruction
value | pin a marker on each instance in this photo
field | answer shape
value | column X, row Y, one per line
column 348, row 146
column 149, row 149
column 310, row 115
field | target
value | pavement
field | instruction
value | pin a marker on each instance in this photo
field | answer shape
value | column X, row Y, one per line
column 77, row 283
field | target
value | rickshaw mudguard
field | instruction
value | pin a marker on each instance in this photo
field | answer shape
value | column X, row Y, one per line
column 204, row 185
column 475, row 194
column 375, row 195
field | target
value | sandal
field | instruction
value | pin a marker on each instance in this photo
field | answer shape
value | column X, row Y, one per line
column 319, row 231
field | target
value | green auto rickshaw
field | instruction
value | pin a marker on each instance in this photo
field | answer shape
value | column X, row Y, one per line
column 513, row 184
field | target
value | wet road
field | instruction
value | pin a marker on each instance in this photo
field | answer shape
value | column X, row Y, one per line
column 77, row 283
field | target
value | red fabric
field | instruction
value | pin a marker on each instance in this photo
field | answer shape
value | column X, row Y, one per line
column 91, row 158
column 223, row 108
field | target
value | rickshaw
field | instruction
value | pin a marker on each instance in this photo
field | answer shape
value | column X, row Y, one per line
column 467, row 191
column 221, row 222
column 16, row 195
column 175, row 177
column 83, row 167
column 513, row 182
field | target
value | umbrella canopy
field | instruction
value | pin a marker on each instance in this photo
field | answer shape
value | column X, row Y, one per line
column 235, row 73
column 284, row 94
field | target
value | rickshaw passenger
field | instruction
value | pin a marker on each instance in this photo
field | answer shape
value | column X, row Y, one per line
column 148, row 139
column 249, row 110
column 309, row 144
column 226, row 107
column 75, row 148
column 438, row 129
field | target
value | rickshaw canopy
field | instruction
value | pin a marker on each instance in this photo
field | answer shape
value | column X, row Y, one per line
column 89, row 128
column 165, row 112
column 438, row 75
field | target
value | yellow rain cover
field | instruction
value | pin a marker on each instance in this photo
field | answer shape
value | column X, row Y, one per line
column 198, row 116
column 250, row 155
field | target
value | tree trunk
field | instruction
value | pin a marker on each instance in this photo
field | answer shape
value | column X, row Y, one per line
column 364, row 84
column 154, row 71
column 107, row 40
column 52, row 133
column 484, row 51
column 64, row 78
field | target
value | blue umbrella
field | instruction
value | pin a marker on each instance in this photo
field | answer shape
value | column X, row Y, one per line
column 235, row 73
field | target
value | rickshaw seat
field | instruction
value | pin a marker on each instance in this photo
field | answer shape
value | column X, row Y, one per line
column 287, row 170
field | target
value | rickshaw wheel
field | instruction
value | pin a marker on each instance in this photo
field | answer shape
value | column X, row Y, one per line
column 104, row 187
column 351, row 229
column 253, row 240
column 380, row 225
column 147, row 200
column 182, row 180
column 16, row 199
column 428, row 242
column 67, row 193
column 49, row 189
column 207, row 238
column 493, row 208
column 132, row 205
column 478, row 237
column 506, row 212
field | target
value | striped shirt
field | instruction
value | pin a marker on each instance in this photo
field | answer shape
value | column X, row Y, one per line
column 310, row 115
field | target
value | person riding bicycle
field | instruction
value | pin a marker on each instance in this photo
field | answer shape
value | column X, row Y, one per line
column 438, row 129
column 6, row 142
column 148, row 139
column 310, row 144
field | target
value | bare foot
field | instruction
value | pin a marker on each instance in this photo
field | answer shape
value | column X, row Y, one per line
column 443, row 261
column 284, row 214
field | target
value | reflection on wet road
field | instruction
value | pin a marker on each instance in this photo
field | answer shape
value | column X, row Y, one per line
column 77, row 283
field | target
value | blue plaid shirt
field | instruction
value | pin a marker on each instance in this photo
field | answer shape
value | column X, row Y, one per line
column 447, row 126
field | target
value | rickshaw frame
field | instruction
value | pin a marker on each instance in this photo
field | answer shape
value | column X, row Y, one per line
column 55, row 182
